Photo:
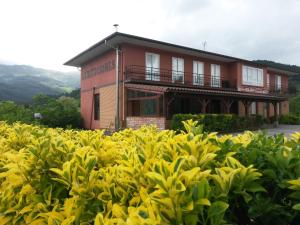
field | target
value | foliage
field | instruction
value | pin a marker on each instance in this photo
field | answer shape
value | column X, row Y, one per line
column 290, row 119
column 62, row 112
column 11, row 112
column 146, row 176
column 294, row 104
column 218, row 122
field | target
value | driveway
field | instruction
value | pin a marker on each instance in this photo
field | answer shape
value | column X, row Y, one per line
column 285, row 129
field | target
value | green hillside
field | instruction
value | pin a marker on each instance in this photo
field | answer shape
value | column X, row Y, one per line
column 20, row 83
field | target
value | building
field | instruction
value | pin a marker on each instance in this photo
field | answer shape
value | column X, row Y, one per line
column 157, row 80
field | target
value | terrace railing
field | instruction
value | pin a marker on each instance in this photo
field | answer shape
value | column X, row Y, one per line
column 170, row 77
column 164, row 76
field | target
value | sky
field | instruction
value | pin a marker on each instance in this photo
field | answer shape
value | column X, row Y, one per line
column 47, row 33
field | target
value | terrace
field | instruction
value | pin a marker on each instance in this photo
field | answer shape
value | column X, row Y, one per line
column 154, row 76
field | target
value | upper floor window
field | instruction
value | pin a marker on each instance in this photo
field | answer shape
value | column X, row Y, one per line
column 152, row 66
column 253, row 76
column 215, row 75
column 177, row 70
column 198, row 73
column 278, row 82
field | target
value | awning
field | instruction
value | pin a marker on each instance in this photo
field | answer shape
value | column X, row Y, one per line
column 204, row 92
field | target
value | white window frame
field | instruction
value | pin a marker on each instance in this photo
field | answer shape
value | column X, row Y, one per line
column 215, row 75
column 198, row 73
column 249, row 73
column 278, row 82
column 152, row 73
column 177, row 74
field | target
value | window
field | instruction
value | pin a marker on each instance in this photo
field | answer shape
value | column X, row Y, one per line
column 152, row 66
column 144, row 103
column 253, row 108
column 252, row 76
column 215, row 75
column 198, row 73
column 177, row 70
column 277, row 82
column 96, row 106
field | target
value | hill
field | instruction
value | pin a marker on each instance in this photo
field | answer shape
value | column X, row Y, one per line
column 20, row 83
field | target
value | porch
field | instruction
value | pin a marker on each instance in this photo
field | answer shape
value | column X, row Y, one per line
column 149, row 104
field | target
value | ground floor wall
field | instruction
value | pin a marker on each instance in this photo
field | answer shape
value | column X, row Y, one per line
column 107, row 107
column 137, row 122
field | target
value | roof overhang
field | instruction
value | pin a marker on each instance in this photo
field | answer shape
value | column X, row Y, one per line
column 206, row 92
column 287, row 72
column 117, row 38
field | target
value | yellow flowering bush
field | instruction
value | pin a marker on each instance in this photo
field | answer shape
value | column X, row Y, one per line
column 144, row 176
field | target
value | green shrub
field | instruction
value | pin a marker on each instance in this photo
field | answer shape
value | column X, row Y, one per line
column 289, row 119
column 146, row 176
column 218, row 122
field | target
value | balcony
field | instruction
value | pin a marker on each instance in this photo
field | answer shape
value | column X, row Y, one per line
column 142, row 74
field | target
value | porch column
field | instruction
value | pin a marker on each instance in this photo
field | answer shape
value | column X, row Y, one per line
column 275, row 114
column 227, row 104
column 204, row 103
column 168, row 103
column 247, row 104
column 268, row 111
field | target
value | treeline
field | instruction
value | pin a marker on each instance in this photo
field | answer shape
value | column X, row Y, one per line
column 61, row 112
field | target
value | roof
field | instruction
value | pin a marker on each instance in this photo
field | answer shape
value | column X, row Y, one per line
column 118, row 38
column 166, row 89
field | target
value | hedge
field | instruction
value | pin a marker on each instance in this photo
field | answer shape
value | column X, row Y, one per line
column 147, row 177
column 289, row 119
column 218, row 122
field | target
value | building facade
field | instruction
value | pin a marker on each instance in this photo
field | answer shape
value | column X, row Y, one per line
column 129, row 81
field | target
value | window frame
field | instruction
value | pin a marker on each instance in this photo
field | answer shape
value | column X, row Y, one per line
column 176, row 73
column 258, row 71
column 278, row 82
column 212, row 81
column 150, row 70
column 96, row 106
column 196, row 74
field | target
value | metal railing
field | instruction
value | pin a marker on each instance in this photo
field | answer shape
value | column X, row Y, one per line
column 165, row 76
column 142, row 73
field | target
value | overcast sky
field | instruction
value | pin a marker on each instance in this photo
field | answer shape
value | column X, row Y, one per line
column 46, row 33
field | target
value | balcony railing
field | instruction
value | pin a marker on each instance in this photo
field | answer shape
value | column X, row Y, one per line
column 164, row 76
column 170, row 77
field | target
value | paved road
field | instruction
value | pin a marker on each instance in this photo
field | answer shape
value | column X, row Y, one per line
column 285, row 129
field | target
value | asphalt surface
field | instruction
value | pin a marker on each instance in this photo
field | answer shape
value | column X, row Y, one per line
column 287, row 130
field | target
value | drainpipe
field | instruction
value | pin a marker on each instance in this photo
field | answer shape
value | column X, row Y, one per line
column 92, row 106
column 117, row 118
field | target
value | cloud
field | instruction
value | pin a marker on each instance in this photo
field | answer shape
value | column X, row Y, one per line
column 47, row 33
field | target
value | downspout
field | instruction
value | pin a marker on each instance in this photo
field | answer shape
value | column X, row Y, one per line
column 91, row 118
column 117, row 118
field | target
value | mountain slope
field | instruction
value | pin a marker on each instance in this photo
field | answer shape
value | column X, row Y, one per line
column 20, row 83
